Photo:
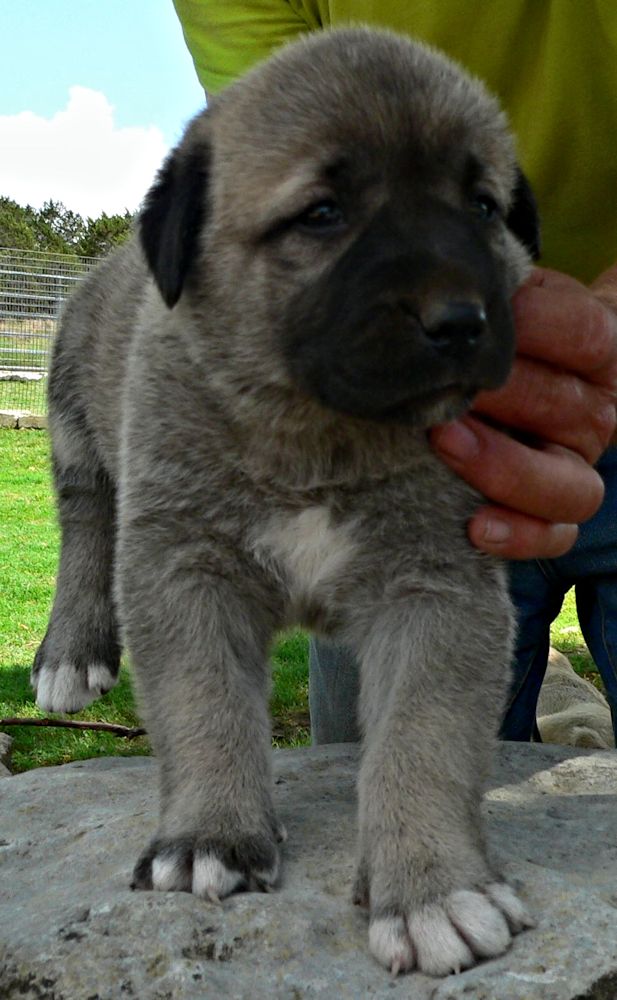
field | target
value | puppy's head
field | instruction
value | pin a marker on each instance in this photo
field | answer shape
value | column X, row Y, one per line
column 350, row 216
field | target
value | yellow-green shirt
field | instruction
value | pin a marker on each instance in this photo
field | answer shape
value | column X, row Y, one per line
column 553, row 63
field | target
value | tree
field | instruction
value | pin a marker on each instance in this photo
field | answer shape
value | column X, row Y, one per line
column 15, row 228
column 103, row 234
column 58, row 228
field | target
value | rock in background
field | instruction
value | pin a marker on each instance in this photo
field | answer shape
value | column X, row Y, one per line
column 5, row 755
column 571, row 711
column 70, row 929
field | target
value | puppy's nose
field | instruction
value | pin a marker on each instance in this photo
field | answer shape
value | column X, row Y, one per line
column 454, row 325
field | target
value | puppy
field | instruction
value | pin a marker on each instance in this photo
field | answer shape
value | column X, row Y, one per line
column 239, row 401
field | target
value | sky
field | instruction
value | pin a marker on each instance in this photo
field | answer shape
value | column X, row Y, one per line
column 93, row 93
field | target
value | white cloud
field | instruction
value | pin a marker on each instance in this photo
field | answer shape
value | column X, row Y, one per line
column 79, row 157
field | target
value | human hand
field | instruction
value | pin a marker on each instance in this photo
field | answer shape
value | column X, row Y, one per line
column 562, row 395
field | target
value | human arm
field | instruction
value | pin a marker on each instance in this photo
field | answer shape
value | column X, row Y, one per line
column 561, row 393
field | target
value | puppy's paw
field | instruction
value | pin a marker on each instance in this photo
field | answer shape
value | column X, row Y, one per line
column 449, row 936
column 67, row 686
column 211, row 869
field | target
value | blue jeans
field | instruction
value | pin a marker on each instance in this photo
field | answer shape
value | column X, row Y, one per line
column 538, row 589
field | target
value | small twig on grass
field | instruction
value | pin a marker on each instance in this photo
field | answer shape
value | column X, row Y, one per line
column 106, row 727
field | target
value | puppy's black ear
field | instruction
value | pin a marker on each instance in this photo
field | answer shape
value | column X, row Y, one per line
column 172, row 217
column 523, row 219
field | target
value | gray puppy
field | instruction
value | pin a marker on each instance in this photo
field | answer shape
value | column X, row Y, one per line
column 238, row 404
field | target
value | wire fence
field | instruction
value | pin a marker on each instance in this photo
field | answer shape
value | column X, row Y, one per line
column 33, row 286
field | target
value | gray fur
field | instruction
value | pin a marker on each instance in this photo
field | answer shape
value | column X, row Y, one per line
column 242, row 397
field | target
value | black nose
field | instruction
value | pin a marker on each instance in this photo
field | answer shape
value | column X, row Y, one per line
column 455, row 325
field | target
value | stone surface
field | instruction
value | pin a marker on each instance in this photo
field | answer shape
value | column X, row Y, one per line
column 23, row 420
column 21, row 375
column 5, row 755
column 571, row 711
column 70, row 929
column 32, row 422
column 9, row 418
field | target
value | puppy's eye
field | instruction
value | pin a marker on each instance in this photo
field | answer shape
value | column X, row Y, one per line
column 321, row 217
column 485, row 206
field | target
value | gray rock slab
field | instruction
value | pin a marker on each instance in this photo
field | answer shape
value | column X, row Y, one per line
column 70, row 929
column 21, row 375
column 9, row 418
column 5, row 751
column 32, row 422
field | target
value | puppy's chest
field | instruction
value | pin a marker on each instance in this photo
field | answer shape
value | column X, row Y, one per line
column 311, row 553
column 375, row 541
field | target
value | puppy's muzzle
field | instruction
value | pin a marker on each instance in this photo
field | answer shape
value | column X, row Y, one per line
column 409, row 325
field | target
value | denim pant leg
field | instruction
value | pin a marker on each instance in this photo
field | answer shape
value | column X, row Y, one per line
column 334, row 685
column 538, row 594
column 596, row 602
column 538, row 588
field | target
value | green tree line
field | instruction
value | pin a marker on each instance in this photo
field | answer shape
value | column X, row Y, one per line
column 55, row 228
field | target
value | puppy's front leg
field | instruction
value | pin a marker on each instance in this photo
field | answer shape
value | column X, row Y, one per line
column 432, row 690
column 79, row 657
column 197, row 628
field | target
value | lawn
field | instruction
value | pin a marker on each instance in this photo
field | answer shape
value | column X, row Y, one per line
column 28, row 556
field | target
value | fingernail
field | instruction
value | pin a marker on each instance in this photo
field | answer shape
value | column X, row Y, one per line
column 457, row 440
column 496, row 531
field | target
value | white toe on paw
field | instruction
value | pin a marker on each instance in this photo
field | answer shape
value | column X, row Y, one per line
column 440, row 950
column 390, row 944
column 510, row 905
column 212, row 879
column 68, row 689
column 167, row 875
column 58, row 689
column 100, row 679
column 479, row 923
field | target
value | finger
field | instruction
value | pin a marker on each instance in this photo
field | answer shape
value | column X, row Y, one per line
column 553, row 483
column 506, row 533
column 556, row 406
column 560, row 321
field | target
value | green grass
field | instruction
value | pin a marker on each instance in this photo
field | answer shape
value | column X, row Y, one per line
column 567, row 637
column 28, row 556
column 28, row 543
column 289, row 702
